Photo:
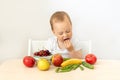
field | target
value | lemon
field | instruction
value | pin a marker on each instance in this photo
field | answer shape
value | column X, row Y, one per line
column 43, row 64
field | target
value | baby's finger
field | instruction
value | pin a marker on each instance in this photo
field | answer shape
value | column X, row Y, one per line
column 67, row 43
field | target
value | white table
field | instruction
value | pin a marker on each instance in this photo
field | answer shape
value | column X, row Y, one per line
column 104, row 70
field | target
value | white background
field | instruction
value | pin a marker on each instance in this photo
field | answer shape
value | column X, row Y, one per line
column 96, row 20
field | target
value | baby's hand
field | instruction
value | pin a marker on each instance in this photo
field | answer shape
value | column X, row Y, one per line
column 68, row 45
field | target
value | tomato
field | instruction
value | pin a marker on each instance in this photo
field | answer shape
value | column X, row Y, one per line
column 28, row 61
column 90, row 58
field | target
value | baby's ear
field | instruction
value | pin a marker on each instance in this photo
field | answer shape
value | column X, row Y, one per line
column 53, row 31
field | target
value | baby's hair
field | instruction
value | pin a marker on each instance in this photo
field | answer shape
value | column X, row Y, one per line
column 59, row 16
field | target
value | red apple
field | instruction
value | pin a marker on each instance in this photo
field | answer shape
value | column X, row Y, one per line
column 57, row 59
column 28, row 61
column 90, row 58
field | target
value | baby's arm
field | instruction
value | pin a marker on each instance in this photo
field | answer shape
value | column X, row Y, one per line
column 73, row 53
column 76, row 54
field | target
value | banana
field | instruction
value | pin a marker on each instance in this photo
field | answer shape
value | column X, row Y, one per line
column 71, row 61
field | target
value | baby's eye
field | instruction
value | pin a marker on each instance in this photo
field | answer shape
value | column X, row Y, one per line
column 67, row 31
column 60, row 33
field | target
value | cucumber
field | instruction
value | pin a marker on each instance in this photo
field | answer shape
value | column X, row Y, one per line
column 87, row 65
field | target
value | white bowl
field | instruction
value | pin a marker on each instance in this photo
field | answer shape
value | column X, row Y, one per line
column 46, row 57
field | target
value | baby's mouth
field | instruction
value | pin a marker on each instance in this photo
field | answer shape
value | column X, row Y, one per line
column 66, row 39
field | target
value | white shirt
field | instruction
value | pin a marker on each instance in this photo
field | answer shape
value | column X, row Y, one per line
column 52, row 46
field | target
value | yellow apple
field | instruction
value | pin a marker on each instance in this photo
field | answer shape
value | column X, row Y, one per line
column 43, row 64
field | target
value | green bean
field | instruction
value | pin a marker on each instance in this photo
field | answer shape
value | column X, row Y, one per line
column 87, row 65
column 64, row 59
column 66, row 70
column 67, row 67
column 81, row 68
column 75, row 66
column 57, row 69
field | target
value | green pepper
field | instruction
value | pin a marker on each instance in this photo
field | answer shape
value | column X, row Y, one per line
column 87, row 65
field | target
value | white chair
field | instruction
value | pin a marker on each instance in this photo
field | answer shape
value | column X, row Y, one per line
column 86, row 47
column 36, row 45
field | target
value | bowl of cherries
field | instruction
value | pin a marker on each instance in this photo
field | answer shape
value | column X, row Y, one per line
column 42, row 54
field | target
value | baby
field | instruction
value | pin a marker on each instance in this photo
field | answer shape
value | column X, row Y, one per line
column 63, row 42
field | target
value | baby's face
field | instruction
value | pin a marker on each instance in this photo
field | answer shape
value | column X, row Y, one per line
column 63, row 30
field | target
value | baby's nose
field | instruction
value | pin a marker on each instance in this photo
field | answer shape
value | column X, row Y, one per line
column 64, row 34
